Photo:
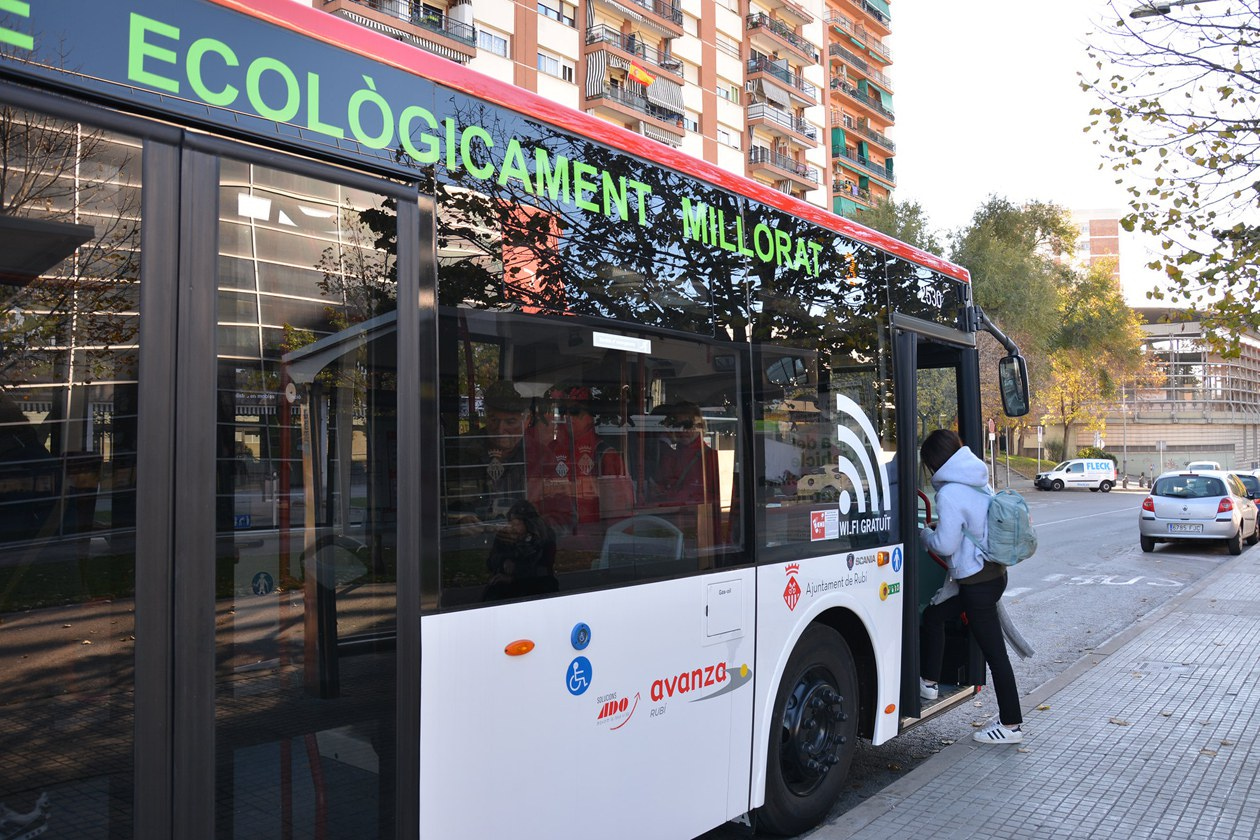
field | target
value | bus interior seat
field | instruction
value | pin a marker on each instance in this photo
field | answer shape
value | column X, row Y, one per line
column 639, row 539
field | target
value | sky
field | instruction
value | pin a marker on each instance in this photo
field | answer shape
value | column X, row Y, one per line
column 988, row 102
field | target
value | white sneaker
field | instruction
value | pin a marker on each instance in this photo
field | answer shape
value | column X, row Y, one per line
column 998, row 734
column 927, row 690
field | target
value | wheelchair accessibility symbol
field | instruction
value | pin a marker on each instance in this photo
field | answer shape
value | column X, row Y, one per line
column 578, row 677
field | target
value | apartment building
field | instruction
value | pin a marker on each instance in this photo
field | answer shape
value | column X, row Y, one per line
column 792, row 93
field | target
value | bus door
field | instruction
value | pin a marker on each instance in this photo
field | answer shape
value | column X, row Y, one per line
column 937, row 387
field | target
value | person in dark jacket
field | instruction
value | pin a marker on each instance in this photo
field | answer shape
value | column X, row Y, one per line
column 523, row 557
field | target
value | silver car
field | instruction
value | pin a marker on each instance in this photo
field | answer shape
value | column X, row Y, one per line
column 1206, row 505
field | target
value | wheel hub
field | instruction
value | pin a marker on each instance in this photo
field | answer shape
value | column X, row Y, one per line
column 812, row 737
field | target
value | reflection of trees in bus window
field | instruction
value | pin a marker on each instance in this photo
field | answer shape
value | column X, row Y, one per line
column 826, row 436
column 505, row 244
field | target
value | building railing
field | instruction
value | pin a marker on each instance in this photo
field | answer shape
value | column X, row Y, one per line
column 838, row 121
column 764, row 21
column 760, row 154
column 860, row 63
column 762, row 111
column 873, row 12
column 634, row 45
column 873, row 168
column 765, row 65
column 851, row 190
column 861, row 33
column 868, row 101
column 624, row 97
column 661, row 8
column 414, row 12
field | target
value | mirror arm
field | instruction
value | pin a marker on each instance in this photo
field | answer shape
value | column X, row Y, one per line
column 981, row 321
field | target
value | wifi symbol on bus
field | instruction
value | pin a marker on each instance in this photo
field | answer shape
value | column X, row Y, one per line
column 868, row 479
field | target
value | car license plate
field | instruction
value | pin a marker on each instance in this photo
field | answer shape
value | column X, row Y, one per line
column 1185, row 528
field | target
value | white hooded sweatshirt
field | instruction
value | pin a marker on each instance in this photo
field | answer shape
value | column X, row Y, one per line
column 958, row 507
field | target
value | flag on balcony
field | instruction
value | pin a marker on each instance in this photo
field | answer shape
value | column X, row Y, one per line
column 640, row 75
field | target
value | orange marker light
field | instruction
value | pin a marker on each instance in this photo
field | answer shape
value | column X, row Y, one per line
column 890, row 708
column 519, row 648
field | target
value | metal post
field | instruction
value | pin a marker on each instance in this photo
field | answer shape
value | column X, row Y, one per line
column 1124, row 422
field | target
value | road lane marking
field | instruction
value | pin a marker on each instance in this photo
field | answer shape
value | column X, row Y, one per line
column 1086, row 516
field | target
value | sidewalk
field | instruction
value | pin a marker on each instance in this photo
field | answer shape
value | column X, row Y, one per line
column 1154, row 735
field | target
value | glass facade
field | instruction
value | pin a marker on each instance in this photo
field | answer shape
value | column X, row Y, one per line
column 306, row 513
column 69, row 343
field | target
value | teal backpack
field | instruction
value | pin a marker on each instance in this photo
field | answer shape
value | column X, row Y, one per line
column 1011, row 534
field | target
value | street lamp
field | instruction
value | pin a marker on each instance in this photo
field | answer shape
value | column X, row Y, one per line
column 1154, row 9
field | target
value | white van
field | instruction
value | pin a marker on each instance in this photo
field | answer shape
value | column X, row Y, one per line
column 1196, row 466
column 1094, row 473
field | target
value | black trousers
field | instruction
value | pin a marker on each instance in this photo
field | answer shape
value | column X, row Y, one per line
column 979, row 602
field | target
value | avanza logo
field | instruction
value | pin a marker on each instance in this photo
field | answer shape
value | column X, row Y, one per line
column 699, row 679
column 792, row 592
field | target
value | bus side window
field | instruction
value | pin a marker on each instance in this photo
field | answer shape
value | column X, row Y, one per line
column 628, row 458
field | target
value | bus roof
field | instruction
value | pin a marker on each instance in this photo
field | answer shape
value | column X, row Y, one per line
column 343, row 34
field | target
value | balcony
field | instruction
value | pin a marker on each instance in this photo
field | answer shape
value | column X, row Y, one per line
column 844, row 26
column 848, row 189
column 783, row 34
column 618, row 103
column 865, row 131
column 665, row 15
column 777, row 166
column 844, row 158
column 874, row 14
column 437, row 32
column 794, row 10
column 782, row 123
column 871, row 102
column 633, row 45
column 837, row 51
column 778, row 71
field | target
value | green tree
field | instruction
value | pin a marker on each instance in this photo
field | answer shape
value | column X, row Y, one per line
column 904, row 220
column 1180, row 121
column 1098, row 348
column 1011, row 252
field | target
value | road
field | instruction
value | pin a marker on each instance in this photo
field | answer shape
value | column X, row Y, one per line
column 1088, row 581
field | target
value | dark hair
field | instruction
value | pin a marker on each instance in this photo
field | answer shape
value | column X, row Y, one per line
column 535, row 525
column 938, row 448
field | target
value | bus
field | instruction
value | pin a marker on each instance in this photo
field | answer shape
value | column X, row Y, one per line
column 390, row 452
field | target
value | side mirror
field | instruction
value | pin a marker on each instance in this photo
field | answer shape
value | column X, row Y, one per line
column 1013, row 382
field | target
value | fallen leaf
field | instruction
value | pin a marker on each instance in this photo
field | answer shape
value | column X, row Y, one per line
column 1206, row 751
column 894, row 766
column 1044, row 707
column 1023, row 750
column 1119, row 721
column 1166, row 714
column 1227, row 743
column 87, row 641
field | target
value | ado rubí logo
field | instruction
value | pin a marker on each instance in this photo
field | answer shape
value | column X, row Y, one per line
column 792, row 593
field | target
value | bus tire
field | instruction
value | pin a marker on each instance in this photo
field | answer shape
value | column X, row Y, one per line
column 814, row 736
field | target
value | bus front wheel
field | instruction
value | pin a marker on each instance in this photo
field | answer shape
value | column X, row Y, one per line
column 815, row 734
